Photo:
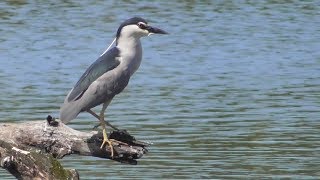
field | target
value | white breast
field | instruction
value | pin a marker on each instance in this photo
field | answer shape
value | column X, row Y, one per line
column 130, row 54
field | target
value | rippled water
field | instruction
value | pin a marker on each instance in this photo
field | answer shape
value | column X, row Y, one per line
column 232, row 92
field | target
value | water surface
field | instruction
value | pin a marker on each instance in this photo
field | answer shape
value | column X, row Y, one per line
column 232, row 92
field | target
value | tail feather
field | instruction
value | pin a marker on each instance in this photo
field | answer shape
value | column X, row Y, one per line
column 69, row 110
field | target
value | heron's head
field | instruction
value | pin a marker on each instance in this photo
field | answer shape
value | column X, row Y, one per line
column 137, row 27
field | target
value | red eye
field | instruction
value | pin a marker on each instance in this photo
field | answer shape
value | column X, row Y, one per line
column 142, row 26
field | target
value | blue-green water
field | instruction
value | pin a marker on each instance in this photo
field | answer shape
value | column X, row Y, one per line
column 233, row 91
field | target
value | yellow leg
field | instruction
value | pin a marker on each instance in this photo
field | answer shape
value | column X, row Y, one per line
column 105, row 139
column 104, row 129
column 106, row 122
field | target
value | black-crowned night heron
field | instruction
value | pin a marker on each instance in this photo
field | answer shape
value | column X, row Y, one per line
column 108, row 75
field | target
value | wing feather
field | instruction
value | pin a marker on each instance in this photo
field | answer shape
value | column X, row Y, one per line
column 103, row 64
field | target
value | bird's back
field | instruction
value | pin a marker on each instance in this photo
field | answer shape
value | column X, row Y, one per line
column 87, row 92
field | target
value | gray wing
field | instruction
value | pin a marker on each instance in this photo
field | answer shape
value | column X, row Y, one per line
column 103, row 64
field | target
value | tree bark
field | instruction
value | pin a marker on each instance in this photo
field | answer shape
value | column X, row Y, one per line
column 29, row 150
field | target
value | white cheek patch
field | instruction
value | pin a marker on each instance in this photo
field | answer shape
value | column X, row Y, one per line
column 134, row 30
column 130, row 29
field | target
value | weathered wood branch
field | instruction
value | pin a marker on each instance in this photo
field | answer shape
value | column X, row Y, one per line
column 30, row 149
column 32, row 165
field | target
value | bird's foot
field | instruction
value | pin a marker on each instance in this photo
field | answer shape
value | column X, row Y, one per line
column 109, row 142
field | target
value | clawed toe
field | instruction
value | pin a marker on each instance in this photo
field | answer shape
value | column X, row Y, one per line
column 108, row 141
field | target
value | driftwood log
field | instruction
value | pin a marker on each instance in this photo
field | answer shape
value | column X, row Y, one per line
column 30, row 150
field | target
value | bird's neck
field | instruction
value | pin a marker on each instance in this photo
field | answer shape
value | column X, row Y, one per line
column 130, row 53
